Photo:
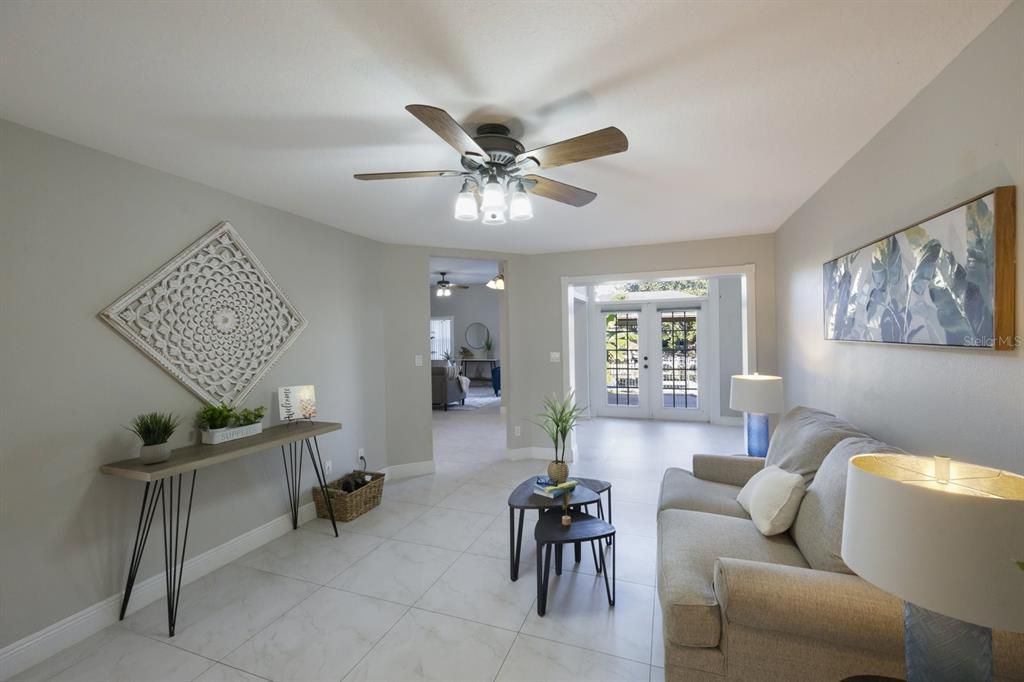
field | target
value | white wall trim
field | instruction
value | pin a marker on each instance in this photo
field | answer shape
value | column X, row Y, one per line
column 37, row 647
column 531, row 452
column 727, row 421
column 397, row 472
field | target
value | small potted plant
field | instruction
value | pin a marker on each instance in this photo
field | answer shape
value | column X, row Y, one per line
column 558, row 420
column 221, row 423
column 154, row 429
column 489, row 347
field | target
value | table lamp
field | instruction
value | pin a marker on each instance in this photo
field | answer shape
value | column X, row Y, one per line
column 758, row 395
column 947, row 538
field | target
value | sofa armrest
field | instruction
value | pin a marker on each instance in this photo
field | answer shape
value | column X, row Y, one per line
column 834, row 607
column 731, row 469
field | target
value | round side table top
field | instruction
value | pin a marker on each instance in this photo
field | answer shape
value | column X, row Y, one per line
column 584, row 527
column 524, row 498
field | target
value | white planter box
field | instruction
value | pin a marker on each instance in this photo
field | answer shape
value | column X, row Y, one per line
column 215, row 436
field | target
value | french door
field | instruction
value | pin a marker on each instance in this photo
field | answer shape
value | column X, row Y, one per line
column 648, row 361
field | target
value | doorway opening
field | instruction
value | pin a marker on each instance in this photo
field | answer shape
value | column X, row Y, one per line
column 659, row 346
column 468, row 333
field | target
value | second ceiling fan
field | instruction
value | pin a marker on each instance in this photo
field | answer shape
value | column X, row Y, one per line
column 496, row 167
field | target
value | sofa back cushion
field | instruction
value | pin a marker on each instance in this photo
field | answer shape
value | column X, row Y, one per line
column 804, row 437
column 818, row 529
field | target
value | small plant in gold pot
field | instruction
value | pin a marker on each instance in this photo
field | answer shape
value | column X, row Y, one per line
column 558, row 420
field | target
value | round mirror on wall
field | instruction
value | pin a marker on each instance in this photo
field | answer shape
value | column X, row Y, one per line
column 477, row 335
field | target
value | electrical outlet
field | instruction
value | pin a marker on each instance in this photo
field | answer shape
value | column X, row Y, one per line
column 518, row 431
column 361, row 452
column 555, row 356
column 418, row 360
column 328, row 466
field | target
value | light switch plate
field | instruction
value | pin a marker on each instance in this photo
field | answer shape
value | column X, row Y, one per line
column 555, row 356
column 418, row 360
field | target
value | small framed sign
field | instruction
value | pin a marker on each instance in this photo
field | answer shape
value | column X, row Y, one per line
column 296, row 402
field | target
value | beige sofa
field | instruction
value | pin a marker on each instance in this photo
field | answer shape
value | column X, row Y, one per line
column 738, row 605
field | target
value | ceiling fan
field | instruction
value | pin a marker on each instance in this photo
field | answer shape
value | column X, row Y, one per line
column 444, row 287
column 495, row 164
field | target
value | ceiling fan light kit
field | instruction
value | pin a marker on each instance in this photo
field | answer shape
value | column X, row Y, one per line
column 496, row 163
column 497, row 282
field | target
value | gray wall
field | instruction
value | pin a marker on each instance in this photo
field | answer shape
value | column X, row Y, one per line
column 466, row 306
column 77, row 229
column 730, row 337
column 962, row 135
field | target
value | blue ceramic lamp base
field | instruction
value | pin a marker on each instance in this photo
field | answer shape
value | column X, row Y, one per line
column 757, row 434
column 942, row 648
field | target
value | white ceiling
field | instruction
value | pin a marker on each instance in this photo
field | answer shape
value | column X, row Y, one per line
column 463, row 270
column 736, row 112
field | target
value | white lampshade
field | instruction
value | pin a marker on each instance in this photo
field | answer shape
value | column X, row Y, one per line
column 951, row 548
column 520, row 208
column 757, row 393
column 493, row 217
column 493, row 198
column 465, row 204
column 497, row 282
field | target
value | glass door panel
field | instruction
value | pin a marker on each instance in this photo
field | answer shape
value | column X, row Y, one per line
column 622, row 359
column 679, row 378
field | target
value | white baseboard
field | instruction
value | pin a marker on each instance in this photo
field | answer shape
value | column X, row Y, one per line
column 728, row 421
column 400, row 471
column 39, row 646
column 531, row 452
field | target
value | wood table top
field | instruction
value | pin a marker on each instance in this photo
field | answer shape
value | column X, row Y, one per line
column 195, row 457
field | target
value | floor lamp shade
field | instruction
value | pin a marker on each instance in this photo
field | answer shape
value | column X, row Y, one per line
column 947, row 538
column 758, row 395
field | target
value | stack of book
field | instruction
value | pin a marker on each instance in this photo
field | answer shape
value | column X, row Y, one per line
column 545, row 487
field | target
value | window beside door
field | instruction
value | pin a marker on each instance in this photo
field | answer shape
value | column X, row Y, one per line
column 441, row 338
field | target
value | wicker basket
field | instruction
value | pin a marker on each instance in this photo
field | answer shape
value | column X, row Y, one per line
column 348, row 506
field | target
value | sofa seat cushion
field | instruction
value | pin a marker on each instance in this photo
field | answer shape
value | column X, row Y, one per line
column 689, row 543
column 818, row 529
column 804, row 437
column 680, row 489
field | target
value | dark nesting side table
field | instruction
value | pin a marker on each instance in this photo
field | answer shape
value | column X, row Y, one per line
column 523, row 498
column 551, row 534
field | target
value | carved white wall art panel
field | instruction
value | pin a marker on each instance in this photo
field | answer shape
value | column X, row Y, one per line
column 212, row 317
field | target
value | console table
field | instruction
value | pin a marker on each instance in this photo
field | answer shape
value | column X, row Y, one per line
column 164, row 490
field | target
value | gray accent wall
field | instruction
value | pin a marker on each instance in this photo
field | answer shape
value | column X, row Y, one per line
column 960, row 136
column 77, row 229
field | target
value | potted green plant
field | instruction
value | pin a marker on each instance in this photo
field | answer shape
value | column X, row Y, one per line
column 222, row 423
column 489, row 346
column 154, row 429
column 558, row 420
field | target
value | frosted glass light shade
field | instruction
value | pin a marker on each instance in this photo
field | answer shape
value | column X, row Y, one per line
column 520, row 208
column 494, row 217
column 465, row 206
column 493, row 199
column 497, row 283
column 951, row 548
column 757, row 393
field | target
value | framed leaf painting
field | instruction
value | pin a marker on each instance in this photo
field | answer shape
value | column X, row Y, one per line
column 948, row 280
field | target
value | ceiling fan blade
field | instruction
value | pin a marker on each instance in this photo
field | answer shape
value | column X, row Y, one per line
column 558, row 191
column 407, row 174
column 599, row 143
column 441, row 122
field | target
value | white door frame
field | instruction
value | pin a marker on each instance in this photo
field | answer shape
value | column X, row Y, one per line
column 749, row 302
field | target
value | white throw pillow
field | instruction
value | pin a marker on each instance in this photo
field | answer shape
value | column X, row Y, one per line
column 772, row 498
